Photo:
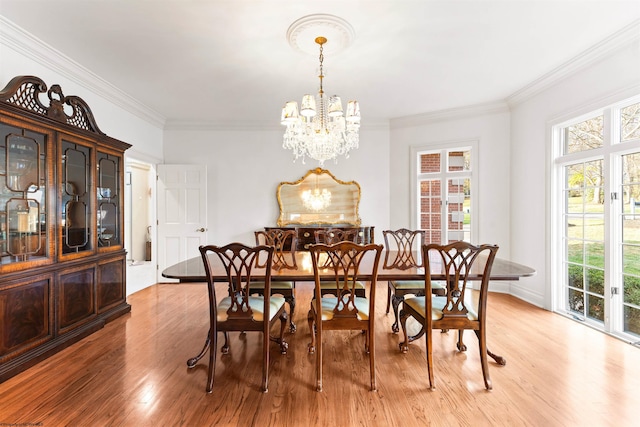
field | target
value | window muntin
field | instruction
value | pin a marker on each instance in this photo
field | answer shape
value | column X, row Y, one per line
column 444, row 183
column 584, row 136
column 630, row 122
column 597, row 241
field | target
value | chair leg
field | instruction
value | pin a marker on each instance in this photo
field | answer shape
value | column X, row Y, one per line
column 429, row 345
column 283, row 325
column 225, row 347
column 372, row 358
column 388, row 297
column 460, row 344
column 404, row 345
column 312, row 330
column 482, row 344
column 291, row 300
column 265, row 362
column 213, row 339
column 318, row 359
column 395, row 302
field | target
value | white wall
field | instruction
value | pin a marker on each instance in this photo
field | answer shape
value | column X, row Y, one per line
column 614, row 77
column 487, row 124
column 245, row 167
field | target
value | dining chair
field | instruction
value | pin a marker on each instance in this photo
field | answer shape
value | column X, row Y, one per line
column 344, row 264
column 284, row 257
column 403, row 251
column 460, row 308
column 332, row 236
column 239, row 310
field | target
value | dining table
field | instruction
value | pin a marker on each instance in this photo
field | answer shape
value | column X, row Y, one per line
column 192, row 270
column 390, row 267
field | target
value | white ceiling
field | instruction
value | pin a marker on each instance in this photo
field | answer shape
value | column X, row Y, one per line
column 230, row 62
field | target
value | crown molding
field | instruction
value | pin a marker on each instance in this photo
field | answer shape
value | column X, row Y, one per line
column 494, row 107
column 221, row 126
column 31, row 47
column 616, row 41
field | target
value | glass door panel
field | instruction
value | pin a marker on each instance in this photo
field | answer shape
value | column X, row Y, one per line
column 459, row 210
column 631, row 242
column 22, row 199
column 431, row 210
column 76, row 198
column 584, row 240
column 108, row 200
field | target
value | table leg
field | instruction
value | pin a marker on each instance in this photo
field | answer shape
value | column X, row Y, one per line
column 499, row 359
column 192, row 362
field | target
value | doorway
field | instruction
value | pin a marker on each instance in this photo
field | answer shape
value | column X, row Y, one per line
column 139, row 181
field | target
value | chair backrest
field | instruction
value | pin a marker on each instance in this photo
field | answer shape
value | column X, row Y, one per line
column 330, row 236
column 462, row 263
column 403, row 248
column 237, row 261
column 345, row 264
column 284, row 243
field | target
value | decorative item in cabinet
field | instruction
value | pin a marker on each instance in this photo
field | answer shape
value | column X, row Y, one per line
column 108, row 199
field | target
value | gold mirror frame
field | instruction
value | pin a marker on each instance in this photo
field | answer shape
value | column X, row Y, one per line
column 343, row 208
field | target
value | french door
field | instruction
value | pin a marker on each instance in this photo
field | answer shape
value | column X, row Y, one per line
column 444, row 189
column 596, row 209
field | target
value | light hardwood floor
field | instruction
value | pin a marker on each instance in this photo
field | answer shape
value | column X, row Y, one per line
column 134, row 373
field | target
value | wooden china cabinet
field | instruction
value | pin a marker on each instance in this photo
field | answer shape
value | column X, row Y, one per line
column 62, row 259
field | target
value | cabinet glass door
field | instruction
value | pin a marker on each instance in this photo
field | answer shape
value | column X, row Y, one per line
column 23, row 216
column 76, row 198
column 108, row 200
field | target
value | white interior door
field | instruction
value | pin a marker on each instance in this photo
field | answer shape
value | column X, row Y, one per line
column 182, row 213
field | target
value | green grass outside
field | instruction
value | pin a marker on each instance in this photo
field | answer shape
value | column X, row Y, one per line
column 588, row 250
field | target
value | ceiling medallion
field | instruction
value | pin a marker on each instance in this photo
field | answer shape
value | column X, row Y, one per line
column 302, row 33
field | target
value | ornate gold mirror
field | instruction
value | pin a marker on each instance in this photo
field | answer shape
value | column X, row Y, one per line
column 318, row 198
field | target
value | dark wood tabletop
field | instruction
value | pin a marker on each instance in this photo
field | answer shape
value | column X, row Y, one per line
column 192, row 270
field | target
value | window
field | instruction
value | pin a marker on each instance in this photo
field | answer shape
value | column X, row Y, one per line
column 596, row 217
column 443, row 188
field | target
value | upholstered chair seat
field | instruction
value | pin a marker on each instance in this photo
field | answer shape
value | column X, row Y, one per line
column 257, row 308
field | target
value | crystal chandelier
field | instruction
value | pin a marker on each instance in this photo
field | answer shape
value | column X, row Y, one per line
column 316, row 200
column 320, row 129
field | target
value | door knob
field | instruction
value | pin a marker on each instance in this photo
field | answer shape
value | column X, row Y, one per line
column 201, row 230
